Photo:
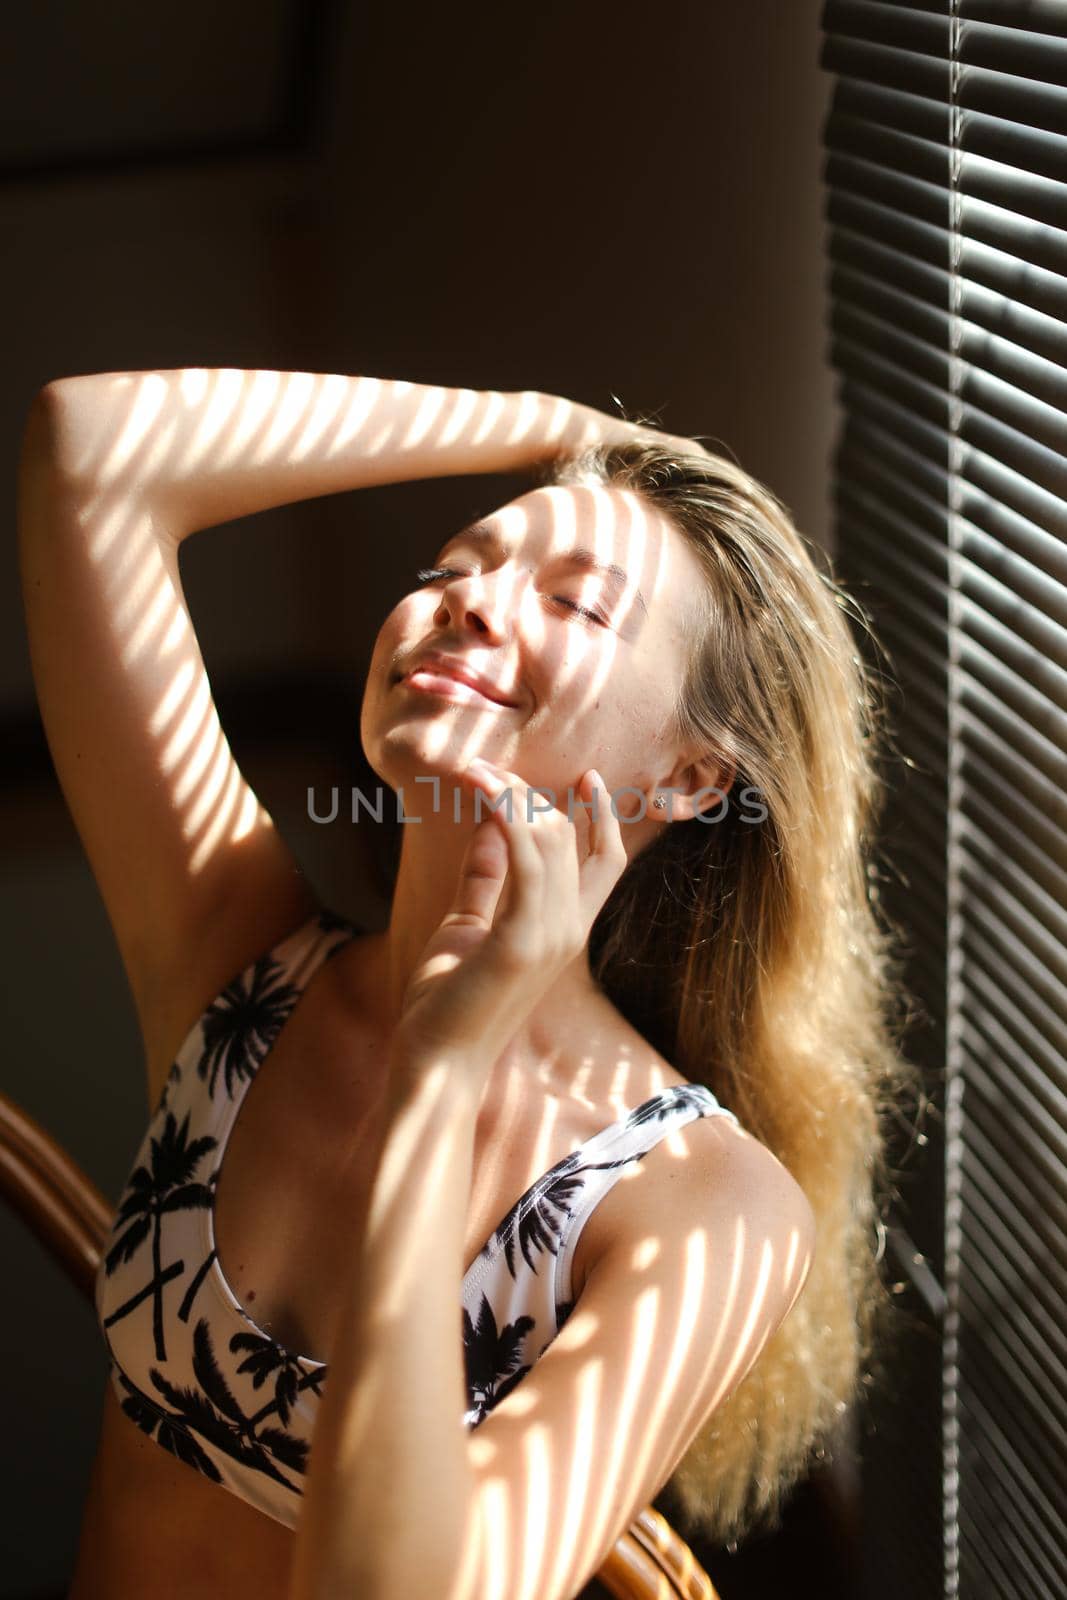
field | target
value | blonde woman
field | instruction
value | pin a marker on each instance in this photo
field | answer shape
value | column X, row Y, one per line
column 447, row 1246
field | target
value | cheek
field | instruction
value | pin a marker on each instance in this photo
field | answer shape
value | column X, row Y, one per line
column 401, row 629
column 626, row 704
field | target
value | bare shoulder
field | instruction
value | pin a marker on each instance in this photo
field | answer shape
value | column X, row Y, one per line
column 723, row 1160
column 704, row 1180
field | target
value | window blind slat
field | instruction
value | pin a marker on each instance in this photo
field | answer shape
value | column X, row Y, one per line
column 916, row 73
column 1012, row 1330
column 995, row 1148
column 990, row 1025
column 1028, row 148
column 999, row 915
column 999, row 1140
column 1028, row 457
column 978, row 966
column 994, row 937
column 984, row 838
column 1002, row 763
column 1014, row 52
column 1027, row 1386
column 991, row 684
column 987, row 1566
column 1013, row 71
column 1013, row 885
column 868, row 312
column 865, row 271
column 1004, row 1557
column 1006, row 731
column 1046, row 15
column 1025, row 224
column 909, row 168
column 1000, row 227
column 1036, row 673
column 980, row 512
column 1032, row 501
column 1025, row 393
column 1027, row 1301
column 1025, row 1494
column 913, row 239
column 880, row 467
column 1013, row 575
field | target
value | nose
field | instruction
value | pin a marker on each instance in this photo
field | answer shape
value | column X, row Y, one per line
column 480, row 601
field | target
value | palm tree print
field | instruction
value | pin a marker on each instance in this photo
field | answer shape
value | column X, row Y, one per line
column 172, row 1435
column 241, row 1025
column 531, row 1218
column 667, row 1103
column 267, row 1357
column 492, row 1359
column 174, row 1077
column 212, row 1412
column 166, row 1185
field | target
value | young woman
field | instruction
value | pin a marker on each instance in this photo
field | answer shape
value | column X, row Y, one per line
column 566, row 1181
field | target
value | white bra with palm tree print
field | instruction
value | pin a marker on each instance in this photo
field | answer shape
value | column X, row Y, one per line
column 190, row 1366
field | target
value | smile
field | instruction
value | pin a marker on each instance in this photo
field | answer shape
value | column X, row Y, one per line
column 439, row 683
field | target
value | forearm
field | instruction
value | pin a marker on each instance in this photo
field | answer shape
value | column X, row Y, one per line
column 202, row 446
column 389, row 1493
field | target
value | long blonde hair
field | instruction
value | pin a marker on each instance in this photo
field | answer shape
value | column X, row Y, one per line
column 755, row 956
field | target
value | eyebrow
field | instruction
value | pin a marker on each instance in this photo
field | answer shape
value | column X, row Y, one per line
column 483, row 532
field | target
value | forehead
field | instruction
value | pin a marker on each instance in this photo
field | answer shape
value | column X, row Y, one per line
column 620, row 529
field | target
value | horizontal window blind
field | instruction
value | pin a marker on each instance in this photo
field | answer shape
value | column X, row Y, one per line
column 946, row 196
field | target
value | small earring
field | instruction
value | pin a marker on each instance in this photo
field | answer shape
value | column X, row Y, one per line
column 659, row 802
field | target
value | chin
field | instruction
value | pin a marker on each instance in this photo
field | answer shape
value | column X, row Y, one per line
column 398, row 759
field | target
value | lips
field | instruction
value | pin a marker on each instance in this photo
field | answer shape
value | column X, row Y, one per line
column 462, row 672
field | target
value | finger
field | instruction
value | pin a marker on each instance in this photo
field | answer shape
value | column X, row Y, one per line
column 482, row 875
column 521, row 917
column 563, row 841
column 547, row 901
column 562, row 833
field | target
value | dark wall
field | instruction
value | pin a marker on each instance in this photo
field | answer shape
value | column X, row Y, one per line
column 589, row 200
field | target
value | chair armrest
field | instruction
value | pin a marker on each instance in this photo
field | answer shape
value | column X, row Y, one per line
column 57, row 1201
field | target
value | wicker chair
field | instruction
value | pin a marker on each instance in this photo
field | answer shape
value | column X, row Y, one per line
column 66, row 1212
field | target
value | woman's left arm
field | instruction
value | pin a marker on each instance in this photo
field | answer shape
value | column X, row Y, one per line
column 389, row 1502
column 389, row 1491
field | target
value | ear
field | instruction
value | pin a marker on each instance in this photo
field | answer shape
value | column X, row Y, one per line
column 699, row 788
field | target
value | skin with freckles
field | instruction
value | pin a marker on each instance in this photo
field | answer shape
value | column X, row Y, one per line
column 585, row 693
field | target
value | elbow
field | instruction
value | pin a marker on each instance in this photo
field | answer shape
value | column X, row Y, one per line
column 63, row 431
column 38, row 472
column 40, row 428
column 46, row 445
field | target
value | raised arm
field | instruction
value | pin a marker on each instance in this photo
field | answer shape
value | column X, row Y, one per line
column 201, row 446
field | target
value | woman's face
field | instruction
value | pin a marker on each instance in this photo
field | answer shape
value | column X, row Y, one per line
column 590, row 661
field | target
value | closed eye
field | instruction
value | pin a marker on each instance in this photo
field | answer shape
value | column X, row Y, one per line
column 431, row 574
